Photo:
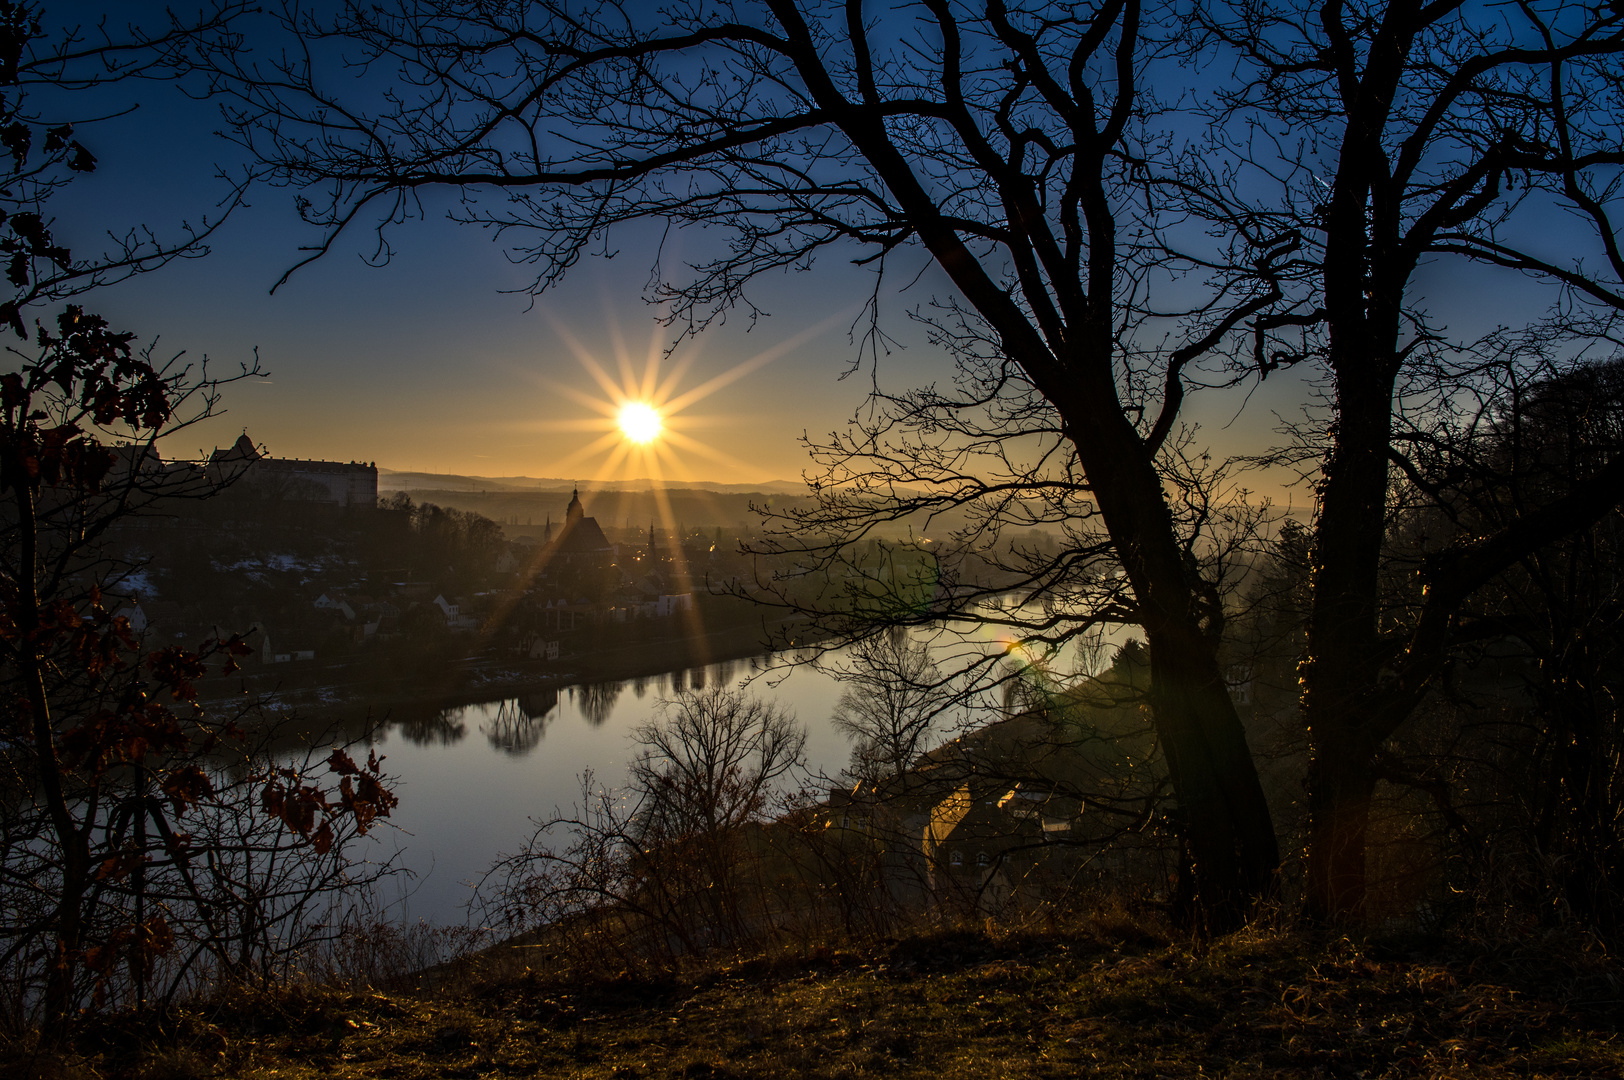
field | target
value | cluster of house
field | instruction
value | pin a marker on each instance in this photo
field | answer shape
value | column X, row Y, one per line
column 360, row 618
column 571, row 578
column 366, row 616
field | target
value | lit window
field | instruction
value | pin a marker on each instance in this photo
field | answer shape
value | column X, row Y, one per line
column 957, row 858
column 981, row 858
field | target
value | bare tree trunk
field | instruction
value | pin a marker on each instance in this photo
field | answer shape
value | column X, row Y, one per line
column 1229, row 833
column 1340, row 785
column 1340, row 676
column 1223, row 814
column 72, row 840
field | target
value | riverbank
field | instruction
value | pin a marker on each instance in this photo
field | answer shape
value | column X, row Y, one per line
column 1109, row 998
column 451, row 681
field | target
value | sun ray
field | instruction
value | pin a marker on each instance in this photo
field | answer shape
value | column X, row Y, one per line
column 683, row 580
column 583, row 355
column 745, row 367
column 651, row 363
column 678, row 370
column 617, row 347
column 705, row 450
column 562, row 425
column 607, row 408
column 611, row 464
column 607, row 441
column 690, row 421
column 601, row 377
column 639, row 417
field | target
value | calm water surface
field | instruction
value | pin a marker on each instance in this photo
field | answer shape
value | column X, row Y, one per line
column 470, row 779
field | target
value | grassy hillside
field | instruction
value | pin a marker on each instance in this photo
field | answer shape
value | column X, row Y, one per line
column 1103, row 999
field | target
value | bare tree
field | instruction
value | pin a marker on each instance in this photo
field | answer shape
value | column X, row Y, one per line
column 121, row 860
column 1519, row 750
column 674, row 863
column 711, row 761
column 1397, row 138
column 127, row 851
column 45, row 70
column 893, row 699
column 1004, row 144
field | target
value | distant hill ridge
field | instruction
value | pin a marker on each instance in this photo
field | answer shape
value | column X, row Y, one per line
column 394, row 480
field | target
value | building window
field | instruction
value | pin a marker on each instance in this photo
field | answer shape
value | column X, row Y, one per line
column 981, row 858
column 957, row 858
column 845, row 821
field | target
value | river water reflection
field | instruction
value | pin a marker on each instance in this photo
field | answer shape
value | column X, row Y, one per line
column 471, row 778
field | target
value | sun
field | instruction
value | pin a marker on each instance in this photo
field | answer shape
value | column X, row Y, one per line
column 643, row 421
column 639, row 422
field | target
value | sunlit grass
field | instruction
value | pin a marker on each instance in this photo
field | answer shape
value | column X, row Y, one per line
column 1109, row 999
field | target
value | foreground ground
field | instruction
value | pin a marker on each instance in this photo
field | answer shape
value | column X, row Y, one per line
column 963, row 1004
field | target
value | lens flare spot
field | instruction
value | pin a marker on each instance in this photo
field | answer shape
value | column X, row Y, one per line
column 639, row 422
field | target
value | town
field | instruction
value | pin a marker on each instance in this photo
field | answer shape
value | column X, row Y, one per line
column 326, row 582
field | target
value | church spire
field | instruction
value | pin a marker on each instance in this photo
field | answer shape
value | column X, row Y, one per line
column 576, row 511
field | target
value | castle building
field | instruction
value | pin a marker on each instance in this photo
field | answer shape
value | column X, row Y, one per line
column 352, row 485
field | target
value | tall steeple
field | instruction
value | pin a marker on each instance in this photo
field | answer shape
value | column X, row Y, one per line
column 576, row 511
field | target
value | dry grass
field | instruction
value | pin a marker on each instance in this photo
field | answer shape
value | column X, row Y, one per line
column 952, row 1004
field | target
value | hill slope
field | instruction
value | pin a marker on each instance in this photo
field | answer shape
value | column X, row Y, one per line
column 951, row 1005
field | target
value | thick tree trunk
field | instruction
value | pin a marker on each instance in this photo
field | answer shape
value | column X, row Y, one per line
column 1340, row 785
column 1364, row 277
column 1222, row 812
column 1340, row 676
column 1228, row 831
column 1343, row 665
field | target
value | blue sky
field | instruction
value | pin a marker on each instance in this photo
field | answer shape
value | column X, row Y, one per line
column 433, row 363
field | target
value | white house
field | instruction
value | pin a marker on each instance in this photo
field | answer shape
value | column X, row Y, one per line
column 672, row 603
column 137, row 617
column 336, row 601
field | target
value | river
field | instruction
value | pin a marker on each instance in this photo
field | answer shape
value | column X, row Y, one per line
column 471, row 779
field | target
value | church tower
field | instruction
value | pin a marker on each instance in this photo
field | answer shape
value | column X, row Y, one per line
column 575, row 512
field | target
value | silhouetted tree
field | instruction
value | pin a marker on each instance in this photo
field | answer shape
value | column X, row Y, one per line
column 135, row 841
column 136, row 826
column 1521, row 754
column 671, row 854
column 1393, row 137
column 891, row 703
column 1004, row 144
column 1019, row 148
column 44, row 72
